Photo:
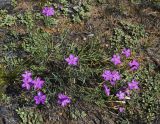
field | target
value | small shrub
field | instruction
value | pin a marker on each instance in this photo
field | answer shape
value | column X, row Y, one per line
column 29, row 116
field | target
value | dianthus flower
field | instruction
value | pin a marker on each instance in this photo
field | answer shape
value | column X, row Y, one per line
column 134, row 65
column 133, row 85
column 27, row 79
column 115, row 76
column 120, row 95
column 126, row 52
column 106, row 90
column 116, row 59
column 107, row 75
column 48, row 11
column 72, row 60
column 27, row 74
column 38, row 83
column 111, row 76
column 40, row 98
column 63, row 100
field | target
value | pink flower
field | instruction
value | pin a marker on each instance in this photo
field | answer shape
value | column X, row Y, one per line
column 107, row 75
column 115, row 76
column 26, row 85
column 116, row 59
column 63, row 100
column 134, row 65
column 133, row 85
column 48, row 11
column 120, row 95
column 38, row 83
column 27, row 79
column 40, row 98
column 27, row 74
column 111, row 76
column 72, row 60
column 126, row 52
column 106, row 90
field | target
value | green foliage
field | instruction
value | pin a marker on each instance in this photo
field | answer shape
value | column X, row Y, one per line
column 5, row 100
column 143, row 107
column 14, row 3
column 26, row 19
column 75, row 114
column 50, row 21
column 29, row 116
column 63, row 1
column 38, row 45
column 91, row 58
column 6, row 19
column 11, row 52
column 2, row 80
column 128, row 35
column 80, row 12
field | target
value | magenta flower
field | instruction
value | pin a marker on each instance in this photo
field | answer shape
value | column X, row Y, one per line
column 106, row 90
column 126, row 52
column 72, row 60
column 121, row 109
column 134, row 65
column 107, row 75
column 111, row 76
column 48, row 11
column 116, row 59
column 40, row 98
column 120, row 95
column 27, row 79
column 27, row 74
column 26, row 85
column 63, row 100
column 38, row 83
column 115, row 76
column 133, row 85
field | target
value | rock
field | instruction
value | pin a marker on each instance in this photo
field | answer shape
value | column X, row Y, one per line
column 154, row 52
column 6, row 4
column 7, row 116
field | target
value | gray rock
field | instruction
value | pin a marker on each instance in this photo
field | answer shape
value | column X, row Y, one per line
column 7, row 116
column 6, row 4
column 154, row 52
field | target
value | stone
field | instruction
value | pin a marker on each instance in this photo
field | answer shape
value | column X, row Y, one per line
column 154, row 52
column 7, row 116
column 6, row 4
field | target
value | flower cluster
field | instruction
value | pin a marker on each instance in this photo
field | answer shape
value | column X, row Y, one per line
column 37, row 83
column 113, row 76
